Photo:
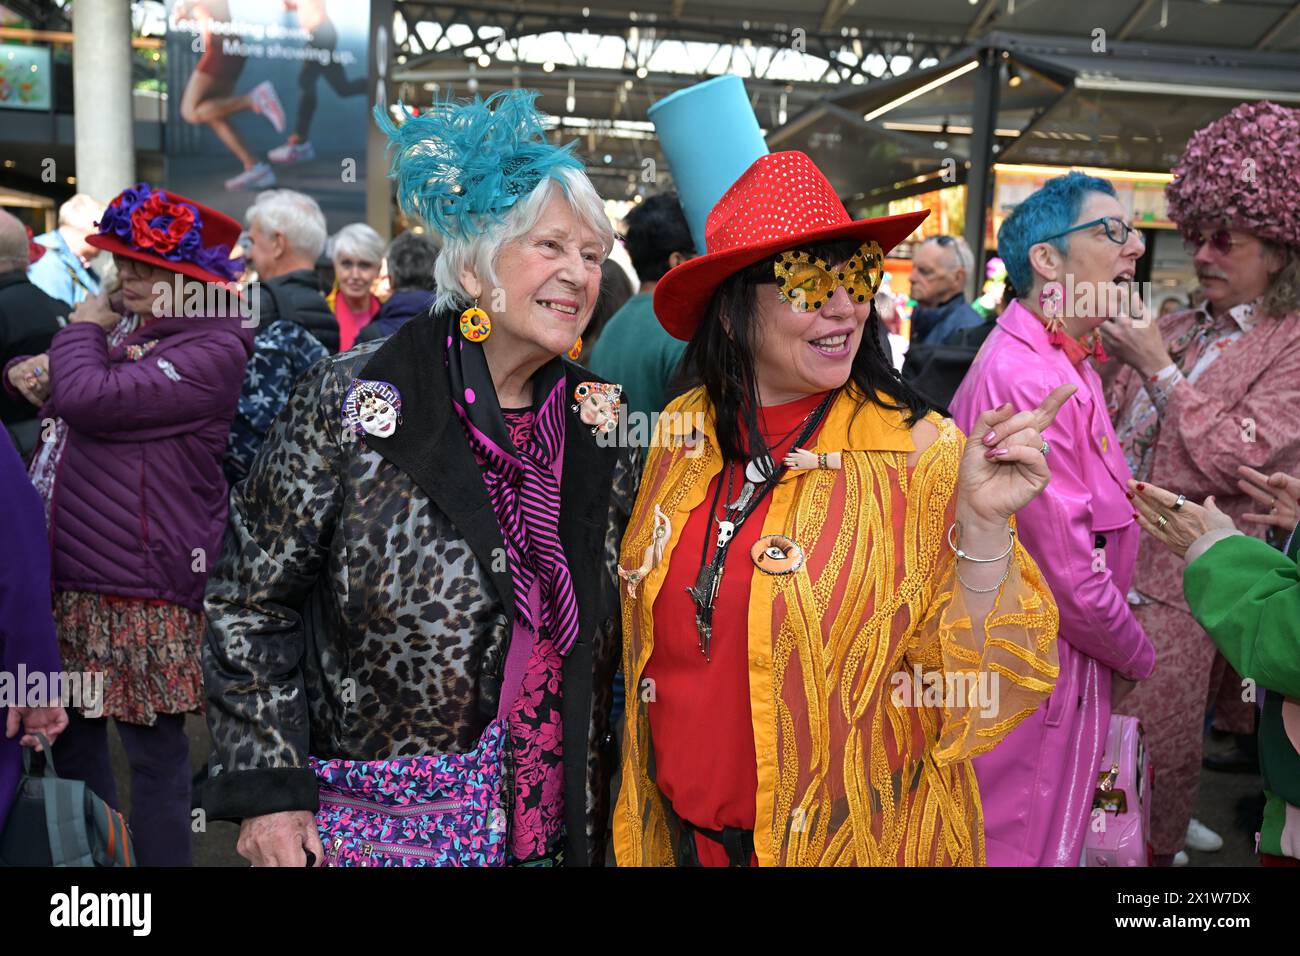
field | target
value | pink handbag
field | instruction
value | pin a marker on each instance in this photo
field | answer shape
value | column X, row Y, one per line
column 1119, row 830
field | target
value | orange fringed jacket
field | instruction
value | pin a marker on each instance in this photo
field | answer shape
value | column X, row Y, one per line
column 854, row 769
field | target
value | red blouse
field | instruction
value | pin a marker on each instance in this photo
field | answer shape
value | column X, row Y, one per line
column 699, row 715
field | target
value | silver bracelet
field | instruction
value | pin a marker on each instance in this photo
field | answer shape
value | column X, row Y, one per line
column 962, row 555
column 1003, row 580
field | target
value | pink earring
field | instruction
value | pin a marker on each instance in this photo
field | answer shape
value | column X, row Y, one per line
column 1051, row 303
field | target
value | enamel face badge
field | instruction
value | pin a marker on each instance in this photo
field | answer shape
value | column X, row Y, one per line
column 374, row 408
column 597, row 405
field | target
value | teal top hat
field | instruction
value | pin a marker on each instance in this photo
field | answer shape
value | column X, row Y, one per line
column 710, row 136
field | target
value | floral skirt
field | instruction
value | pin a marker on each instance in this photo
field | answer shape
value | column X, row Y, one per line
column 148, row 652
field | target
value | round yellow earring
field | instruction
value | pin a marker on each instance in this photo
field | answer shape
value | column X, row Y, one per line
column 576, row 350
column 475, row 325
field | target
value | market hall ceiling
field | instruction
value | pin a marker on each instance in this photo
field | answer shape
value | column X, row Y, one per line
column 600, row 65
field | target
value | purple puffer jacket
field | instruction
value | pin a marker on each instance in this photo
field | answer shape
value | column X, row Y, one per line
column 140, row 488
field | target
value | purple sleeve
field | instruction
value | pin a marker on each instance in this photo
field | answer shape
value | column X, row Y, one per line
column 26, row 619
column 170, row 388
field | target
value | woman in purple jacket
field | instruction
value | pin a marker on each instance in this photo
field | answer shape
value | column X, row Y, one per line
column 140, row 500
column 27, row 644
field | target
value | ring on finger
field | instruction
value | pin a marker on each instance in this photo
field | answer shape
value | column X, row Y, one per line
column 1179, row 503
column 1161, row 521
column 1045, row 449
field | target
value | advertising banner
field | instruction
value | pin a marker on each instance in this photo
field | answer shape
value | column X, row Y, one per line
column 265, row 94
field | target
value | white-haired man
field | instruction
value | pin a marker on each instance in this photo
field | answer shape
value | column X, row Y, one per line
column 940, row 267
column 64, row 272
column 286, row 235
column 946, row 331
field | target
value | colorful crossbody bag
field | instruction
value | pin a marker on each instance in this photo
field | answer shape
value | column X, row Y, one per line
column 443, row 809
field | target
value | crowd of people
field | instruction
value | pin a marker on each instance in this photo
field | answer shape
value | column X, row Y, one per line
column 376, row 528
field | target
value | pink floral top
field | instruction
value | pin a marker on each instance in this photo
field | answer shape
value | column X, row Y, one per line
column 536, row 730
column 1236, row 402
column 1194, row 346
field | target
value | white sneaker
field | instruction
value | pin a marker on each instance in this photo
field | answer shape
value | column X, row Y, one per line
column 267, row 102
column 292, row 153
column 259, row 177
column 1202, row 838
column 1181, row 858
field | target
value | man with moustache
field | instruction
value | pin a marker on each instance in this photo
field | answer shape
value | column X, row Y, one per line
column 1207, row 395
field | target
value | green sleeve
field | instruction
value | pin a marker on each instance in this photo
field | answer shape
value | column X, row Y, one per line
column 1247, row 596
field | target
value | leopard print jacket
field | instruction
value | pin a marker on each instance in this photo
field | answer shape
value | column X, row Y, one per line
column 361, row 607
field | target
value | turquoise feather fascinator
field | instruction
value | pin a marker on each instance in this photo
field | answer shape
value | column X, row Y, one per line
column 460, row 164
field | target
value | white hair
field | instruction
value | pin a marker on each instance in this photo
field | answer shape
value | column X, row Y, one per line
column 81, row 212
column 357, row 239
column 959, row 246
column 480, row 253
column 294, row 215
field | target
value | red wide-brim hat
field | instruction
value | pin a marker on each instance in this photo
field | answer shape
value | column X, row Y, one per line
column 168, row 230
column 781, row 201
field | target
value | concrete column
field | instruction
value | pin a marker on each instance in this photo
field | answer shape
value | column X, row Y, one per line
column 101, row 86
column 979, row 183
column 379, row 190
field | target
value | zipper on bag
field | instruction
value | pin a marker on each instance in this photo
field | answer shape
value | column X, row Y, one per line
column 444, row 805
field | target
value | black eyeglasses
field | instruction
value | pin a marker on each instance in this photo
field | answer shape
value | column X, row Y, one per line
column 1117, row 230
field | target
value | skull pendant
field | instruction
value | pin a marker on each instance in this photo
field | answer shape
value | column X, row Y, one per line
column 725, row 530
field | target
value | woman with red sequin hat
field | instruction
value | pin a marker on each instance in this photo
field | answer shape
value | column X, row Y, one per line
column 141, row 402
column 826, row 611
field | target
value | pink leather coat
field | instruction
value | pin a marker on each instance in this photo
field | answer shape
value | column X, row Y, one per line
column 1037, row 785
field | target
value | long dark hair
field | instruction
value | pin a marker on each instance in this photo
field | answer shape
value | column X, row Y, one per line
column 720, row 357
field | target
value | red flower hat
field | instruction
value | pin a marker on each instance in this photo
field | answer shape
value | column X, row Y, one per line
column 171, row 232
column 780, row 202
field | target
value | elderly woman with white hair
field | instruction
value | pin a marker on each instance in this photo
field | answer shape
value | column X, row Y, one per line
column 357, row 252
column 410, row 664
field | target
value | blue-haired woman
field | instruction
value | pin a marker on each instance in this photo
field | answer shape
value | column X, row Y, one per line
column 1065, row 248
column 414, row 622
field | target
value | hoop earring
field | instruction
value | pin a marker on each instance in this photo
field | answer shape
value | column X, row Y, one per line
column 576, row 351
column 475, row 324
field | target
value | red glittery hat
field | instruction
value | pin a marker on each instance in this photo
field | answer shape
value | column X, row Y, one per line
column 781, row 201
